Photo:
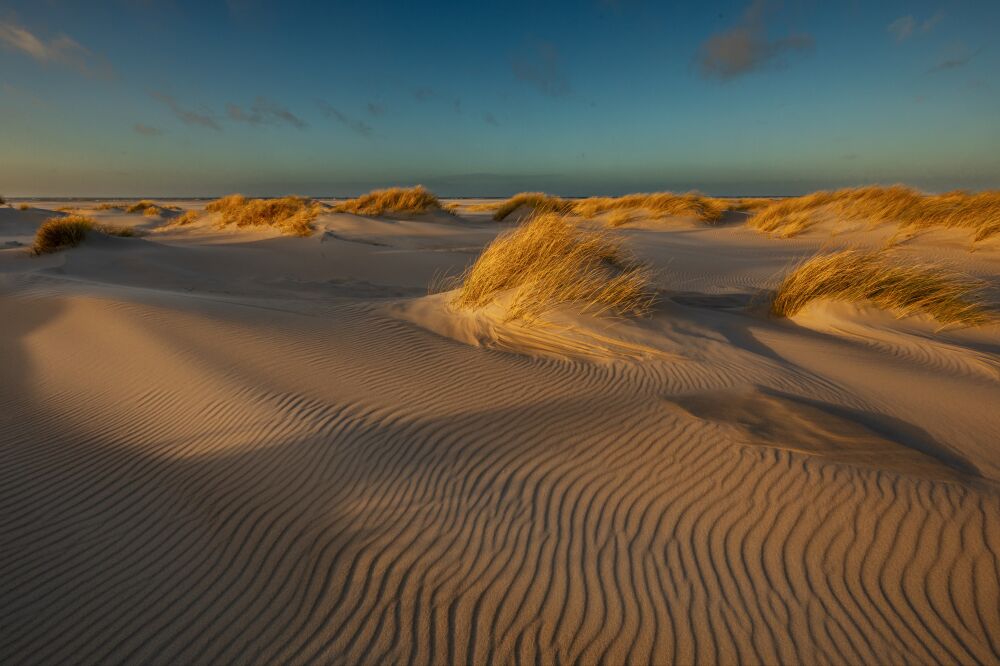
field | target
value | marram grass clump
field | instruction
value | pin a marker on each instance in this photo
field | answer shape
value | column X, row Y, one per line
column 659, row 204
column 907, row 288
column 548, row 261
column 292, row 215
column 393, row 200
column 57, row 233
column 537, row 203
column 978, row 212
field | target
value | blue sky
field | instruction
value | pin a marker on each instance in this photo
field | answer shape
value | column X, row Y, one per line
column 167, row 97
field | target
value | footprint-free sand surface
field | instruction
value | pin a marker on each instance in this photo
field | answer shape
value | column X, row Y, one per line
column 237, row 447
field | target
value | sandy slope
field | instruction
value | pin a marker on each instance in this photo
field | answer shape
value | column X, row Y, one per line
column 221, row 447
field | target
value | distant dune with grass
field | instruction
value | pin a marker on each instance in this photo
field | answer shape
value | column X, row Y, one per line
column 977, row 212
column 58, row 233
column 412, row 200
column 291, row 215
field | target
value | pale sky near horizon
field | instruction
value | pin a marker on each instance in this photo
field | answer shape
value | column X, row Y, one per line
column 177, row 98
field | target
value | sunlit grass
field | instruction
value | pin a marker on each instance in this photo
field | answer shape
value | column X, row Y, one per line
column 186, row 218
column 292, row 215
column 393, row 200
column 57, row 233
column 905, row 287
column 978, row 212
column 537, row 203
column 548, row 261
column 656, row 204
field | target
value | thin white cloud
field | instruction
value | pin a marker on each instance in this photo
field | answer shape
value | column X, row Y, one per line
column 907, row 26
column 60, row 50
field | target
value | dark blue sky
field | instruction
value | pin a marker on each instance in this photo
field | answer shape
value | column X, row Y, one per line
column 167, row 97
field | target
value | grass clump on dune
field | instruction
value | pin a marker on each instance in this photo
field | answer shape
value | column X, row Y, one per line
column 184, row 219
column 393, row 200
column 538, row 203
column 24, row 206
column 57, row 233
column 548, row 261
column 976, row 211
column 856, row 276
column 660, row 204
column 293, row 215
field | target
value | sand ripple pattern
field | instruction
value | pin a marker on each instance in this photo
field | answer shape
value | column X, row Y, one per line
column 337, row 486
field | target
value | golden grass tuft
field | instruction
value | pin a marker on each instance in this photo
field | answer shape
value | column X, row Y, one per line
column 538, row 203
column 548, row 261
column 144, row 207
column 188, row 217
column 24, row 206
column 392, row 200
column 293, row 215
column 660, row 204
column 57, row 233
column 976, row 211
column 857, row 276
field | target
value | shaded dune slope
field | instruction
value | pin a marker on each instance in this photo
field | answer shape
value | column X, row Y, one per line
column 224, row 479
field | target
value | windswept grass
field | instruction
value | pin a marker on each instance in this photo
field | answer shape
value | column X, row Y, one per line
column 619, row 218
column 57, row 233
column 538, row 203
column 24, row 206
column 188, row 217
column 548, row 261
column 908, row 288
column 976, row 211
column 293, row 215
column 659, row 204
column 393, row 200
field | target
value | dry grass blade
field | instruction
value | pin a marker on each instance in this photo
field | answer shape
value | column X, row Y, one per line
column 978, row 212
column 393, row 200
column 57, row 233
column 548, row 261
column 292, row 215
column 856, row 276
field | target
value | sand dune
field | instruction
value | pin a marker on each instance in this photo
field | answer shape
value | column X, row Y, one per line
column 231, row 446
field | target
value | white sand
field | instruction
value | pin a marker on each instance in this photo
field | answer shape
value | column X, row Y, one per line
column 239, row 447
